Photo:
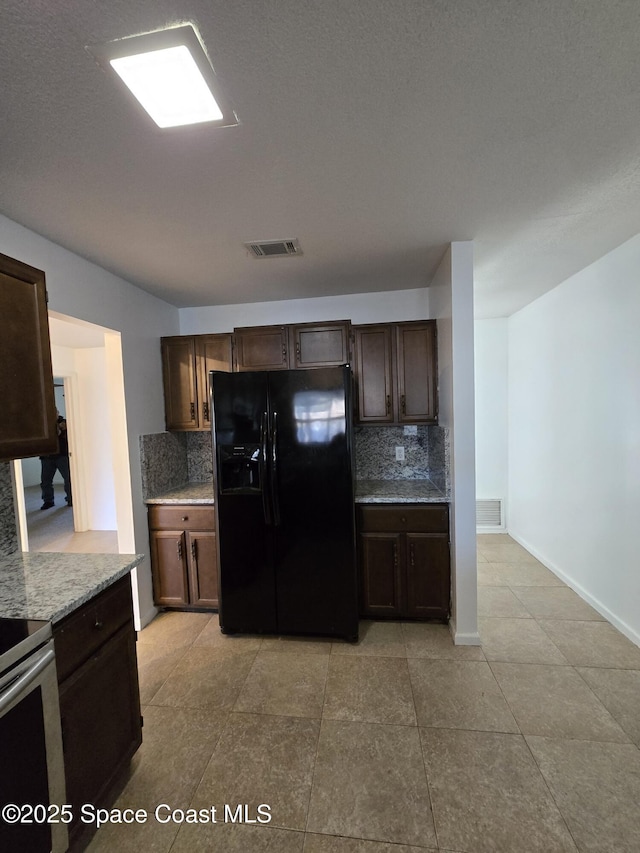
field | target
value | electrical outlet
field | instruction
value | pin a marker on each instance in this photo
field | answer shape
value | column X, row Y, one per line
column 400, row 454
column 410, row 429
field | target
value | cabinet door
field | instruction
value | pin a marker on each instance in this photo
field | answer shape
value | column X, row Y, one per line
column 203, row 569
column 169, row 568
column 323, row 345
column 178, row 371
column 428, row 575
column 381, row 569
column 28, row 410
column 416, row 372
column 262, row 348
column 101, row 726
column 374, row 375
column 213, row 352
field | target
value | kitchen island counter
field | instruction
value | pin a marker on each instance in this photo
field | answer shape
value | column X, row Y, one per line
column 46, row 585
column 191, row 493
column 398, row 492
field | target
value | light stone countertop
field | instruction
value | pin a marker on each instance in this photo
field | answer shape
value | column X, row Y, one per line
column 366, row 491
column 190, row 493
column 46, row 585
column 398, row 492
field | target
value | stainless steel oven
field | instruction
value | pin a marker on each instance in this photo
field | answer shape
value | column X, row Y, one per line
column 32, row 786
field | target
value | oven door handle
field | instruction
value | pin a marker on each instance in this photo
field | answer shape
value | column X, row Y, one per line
column 18, row 679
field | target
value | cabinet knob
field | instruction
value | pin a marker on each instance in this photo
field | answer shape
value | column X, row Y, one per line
column 403, row 520
column 98, row 625
column 185, row 518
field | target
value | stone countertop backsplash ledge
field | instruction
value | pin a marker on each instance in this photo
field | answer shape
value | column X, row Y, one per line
column 177, row 467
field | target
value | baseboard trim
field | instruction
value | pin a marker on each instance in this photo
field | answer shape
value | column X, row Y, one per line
column 460, row 639
column 602, row 609
column 148, row 617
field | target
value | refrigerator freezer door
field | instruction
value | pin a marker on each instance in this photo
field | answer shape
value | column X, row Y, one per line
column 245, row 551
column 316, row 589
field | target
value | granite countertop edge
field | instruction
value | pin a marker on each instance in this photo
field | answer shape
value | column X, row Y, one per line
column 50, row 586
column 398, row 492
column 366, row 491
column 189, row 493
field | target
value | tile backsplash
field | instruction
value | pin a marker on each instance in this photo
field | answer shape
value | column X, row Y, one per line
column 200, row 457
column 171, row 459
column 426, row 454
column 163, row 462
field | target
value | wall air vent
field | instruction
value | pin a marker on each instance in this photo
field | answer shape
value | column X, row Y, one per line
column 274, row 248
column 489, row 514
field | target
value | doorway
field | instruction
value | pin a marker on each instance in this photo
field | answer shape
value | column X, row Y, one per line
column 89, row 389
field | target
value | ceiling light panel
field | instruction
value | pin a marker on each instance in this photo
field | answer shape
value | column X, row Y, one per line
column 170, row 75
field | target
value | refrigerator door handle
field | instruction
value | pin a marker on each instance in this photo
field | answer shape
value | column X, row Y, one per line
column 274, row 470
column 264, row 455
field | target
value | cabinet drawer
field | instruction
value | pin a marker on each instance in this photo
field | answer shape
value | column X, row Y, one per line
column 79, row 635
column 433, row 518
column 181, row 517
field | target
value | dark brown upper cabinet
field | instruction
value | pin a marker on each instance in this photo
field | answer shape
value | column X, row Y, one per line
column 319, row 345
column 262, row 348
column 396, row 373
column 299, row 345
column 28, row 410
column 186, row 362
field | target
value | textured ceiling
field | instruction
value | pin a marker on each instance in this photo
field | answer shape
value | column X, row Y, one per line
column 375, row 131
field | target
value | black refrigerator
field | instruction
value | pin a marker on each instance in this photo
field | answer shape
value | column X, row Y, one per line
column 282, row 446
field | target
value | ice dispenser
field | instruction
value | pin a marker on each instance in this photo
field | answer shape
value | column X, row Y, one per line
column 239, row 468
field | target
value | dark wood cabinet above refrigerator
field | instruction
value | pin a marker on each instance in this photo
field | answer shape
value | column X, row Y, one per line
column 287, row 347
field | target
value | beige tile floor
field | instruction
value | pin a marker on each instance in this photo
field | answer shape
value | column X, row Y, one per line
column 52, row 529
column 402, row 743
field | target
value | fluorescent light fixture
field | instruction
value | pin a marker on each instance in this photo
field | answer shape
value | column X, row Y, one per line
column 170, row 74
column 169, row 86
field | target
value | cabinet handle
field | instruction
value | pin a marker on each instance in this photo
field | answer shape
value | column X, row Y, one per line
column 205, row 411
column 403, row 404
column 298, row 351
column 194, row 552
column 193, row 411
column 388, row 403
column 284, row 353
column 179, row 549
column 412, row 555
column 395, row 555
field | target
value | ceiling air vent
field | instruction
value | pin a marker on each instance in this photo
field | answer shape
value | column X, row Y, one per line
column 274, row 248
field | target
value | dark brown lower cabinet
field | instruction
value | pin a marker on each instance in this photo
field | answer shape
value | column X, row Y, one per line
column 184, row 559
column 404, row 561
column 99, row 700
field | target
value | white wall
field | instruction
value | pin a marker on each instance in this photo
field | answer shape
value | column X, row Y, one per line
column 78, row 288
column 91, row 375
column 491, row 382
column 574, row 433
column 451, row 301
column 386, row 307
